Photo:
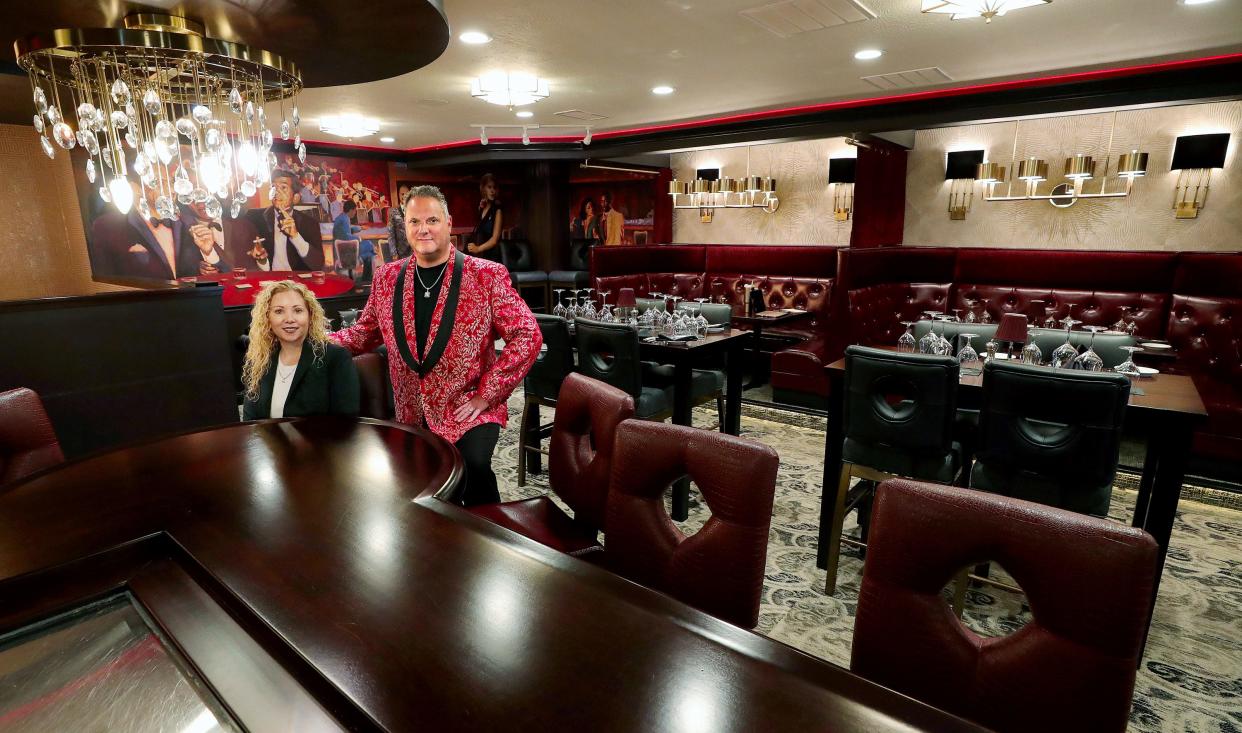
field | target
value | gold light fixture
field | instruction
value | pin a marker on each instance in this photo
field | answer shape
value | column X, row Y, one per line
column 841, row 175
column 960, row 168
column 1079, row 169
column 1194, row 157
column 161, row 106
column 986, row 9
column 709, row 191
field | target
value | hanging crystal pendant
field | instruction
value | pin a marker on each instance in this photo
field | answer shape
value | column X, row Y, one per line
column 235, row 209
column 131, row 113
column 90, row 170
column 186, row 127
column 141, row 164
column 53, row 115
column 151, row 102
column 235, row 101
column 101, row 121
column 105, row 195
column 143, row 207
column 181, row 183
column 249, row 112
column 222, row 193
column 285, row 130
column 266, row 138
column 184, row 198
column 262, row 117
column 86, row 112
column 47, row 147
column 226, row 151
column 164, row 128
column 248, row 189
column 165, row 148
column 297, row 140
column 40, row 100
column 120, row 92
column 201, row 114
column 301, row 152
column 119, row 120
column 38, row 124
column 91, row 143
column 212, row 138
column 200, row 195
column 106, row 154
column 148, row 178
column 164, row 207
column 148, row 148
column 81, row 137
column 297, row 118
column 131, row 140
column 64, row 135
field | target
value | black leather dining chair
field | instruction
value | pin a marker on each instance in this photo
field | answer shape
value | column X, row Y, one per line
column 516, row 255
column 542, row 386
column 609, row 352
column 578, row 275
column 1050, row 436
column 899, row 414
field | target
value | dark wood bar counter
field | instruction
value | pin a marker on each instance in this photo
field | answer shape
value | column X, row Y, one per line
column 323, row 543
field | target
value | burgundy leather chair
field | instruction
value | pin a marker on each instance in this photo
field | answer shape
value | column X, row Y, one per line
column 27, row 441
column 720, row 568
column 579, row 465
column 1088, row 582
column 375, row 391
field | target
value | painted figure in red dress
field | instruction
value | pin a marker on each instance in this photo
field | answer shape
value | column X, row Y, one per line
column 440, row 312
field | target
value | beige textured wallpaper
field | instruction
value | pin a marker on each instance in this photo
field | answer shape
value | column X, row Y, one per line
column 42, row 246
column 1142, row 221
column 801, row 173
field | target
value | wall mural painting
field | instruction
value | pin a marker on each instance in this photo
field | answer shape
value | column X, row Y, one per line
column 324, row 222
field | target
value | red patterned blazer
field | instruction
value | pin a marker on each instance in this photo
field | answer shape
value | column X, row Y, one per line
column 488, row 308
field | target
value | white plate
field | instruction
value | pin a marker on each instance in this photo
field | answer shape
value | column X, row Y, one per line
column 1147, row 371
column 1002, row 357
column 1154, row 346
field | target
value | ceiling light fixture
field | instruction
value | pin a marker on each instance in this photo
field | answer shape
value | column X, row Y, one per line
column 181, row 116
column 1196, row 2
column 387, row 139
column 525, row 113
column 526, row 128
column 868, row 54
column 710, row 190
column 662, row 90
column 474, row 38
column 509, row 89
column 986, row 9
column 349, row 125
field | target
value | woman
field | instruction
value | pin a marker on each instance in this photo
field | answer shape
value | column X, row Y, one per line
column 291, row 369
column 587, row 225
column 485, row 240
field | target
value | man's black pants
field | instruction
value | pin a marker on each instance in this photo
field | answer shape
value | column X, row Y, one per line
column 476, row 448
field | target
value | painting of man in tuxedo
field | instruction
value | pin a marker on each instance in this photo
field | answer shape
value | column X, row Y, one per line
column 217, row 242
column 131, row 246
column 290, row 239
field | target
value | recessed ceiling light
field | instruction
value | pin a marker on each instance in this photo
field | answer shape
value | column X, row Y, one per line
column 868, row 53
column 1196, row 2
column 662, row 90
column 388, row 139
column 525, row 113
column 474, row 38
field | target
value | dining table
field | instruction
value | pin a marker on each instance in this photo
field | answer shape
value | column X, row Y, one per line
column 1165, row 408
column 309, row 574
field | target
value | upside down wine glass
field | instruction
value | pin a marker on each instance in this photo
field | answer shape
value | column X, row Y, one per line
column 906, row 342
column 930, row 341
column 1065, row 354
column 1090, row 361
column 559, row 308
column 967, row 357
column 1128, row 367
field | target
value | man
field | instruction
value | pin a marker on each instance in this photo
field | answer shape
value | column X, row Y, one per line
column 127, row 245
column 450, row 309
column 614, row 221
column 207, row 257
column 343, row 225
column 291, row 239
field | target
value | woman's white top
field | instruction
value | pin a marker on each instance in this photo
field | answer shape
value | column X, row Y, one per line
column 280, row 390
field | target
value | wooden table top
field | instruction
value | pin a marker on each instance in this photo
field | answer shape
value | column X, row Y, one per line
column 422, row 616
column 706, row 343
column 1163, row 392
column 784, row 316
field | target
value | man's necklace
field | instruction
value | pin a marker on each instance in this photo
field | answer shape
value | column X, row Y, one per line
column 427, row 288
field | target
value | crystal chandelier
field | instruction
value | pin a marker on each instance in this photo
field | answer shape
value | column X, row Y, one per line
column 509, row 90
column 162, row 105
column 986, row 9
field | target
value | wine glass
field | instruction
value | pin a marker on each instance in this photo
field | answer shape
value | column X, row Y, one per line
column 970, row 311
column 906, row 342
column 957, row 315
column 605, row 311
column 967, row 357
column 1128, row 367
column 1050, row 320
column 701, row 323
column 930, row 341
column 1030, row 351
column 559, row 308
column 1065, row 354
column 985, row 316
column 945, row 347
column 1089, row 360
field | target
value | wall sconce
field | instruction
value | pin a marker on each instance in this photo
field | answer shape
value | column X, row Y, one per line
column 841, row 173
column 961, row 167
column 1195, row 156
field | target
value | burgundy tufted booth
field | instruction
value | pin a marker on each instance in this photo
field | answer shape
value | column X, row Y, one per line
column 789, row 276
column 27, row 441
column 579, row 468
column 1071, row 668
column 719, row 569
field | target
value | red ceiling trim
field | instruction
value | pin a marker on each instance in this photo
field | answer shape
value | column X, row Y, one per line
column 965, row 90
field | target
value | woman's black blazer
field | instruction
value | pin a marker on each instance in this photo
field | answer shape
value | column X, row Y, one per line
column 328, row 386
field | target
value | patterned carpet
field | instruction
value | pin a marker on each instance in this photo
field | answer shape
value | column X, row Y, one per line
column 1191, row 676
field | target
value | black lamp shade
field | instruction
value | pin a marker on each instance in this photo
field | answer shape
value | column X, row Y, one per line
column 1200, row 151
column 708, row 174
column 962, row 164
column 841, row 170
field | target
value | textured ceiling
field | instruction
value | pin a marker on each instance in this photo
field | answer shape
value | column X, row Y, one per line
column 604, row 56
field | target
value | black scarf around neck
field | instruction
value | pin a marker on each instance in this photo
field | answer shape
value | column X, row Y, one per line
column 445, row 330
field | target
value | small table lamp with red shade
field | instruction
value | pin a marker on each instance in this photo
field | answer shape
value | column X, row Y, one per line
column 625, row 299
column 1012, row 329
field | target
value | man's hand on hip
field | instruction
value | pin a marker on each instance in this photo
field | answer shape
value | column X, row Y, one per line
column 470, row 410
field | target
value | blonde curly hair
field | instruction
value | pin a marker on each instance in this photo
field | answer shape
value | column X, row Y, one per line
column 262, row 341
